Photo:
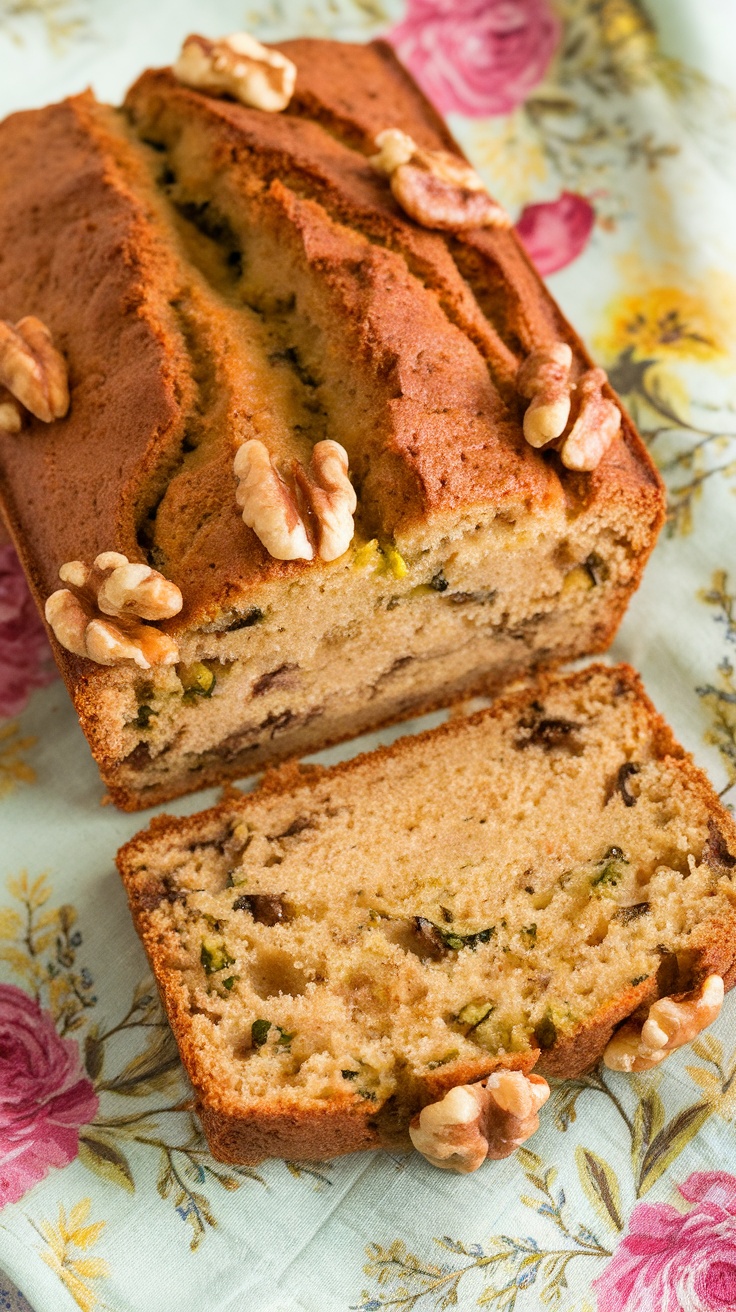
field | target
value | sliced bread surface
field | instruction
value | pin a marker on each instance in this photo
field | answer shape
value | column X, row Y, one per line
column 341, row 947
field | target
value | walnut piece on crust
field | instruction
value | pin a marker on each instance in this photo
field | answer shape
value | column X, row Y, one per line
column 598, row 422
column 332, row 498
column 113, row 586
column 670, row 1024
column 435, row 188
column 138, row 590
column 11, row 416
column 32, row 369
column 544, row 380
column 476, row 1121
column 269, row 505
column 312, row 510
column 237, row 66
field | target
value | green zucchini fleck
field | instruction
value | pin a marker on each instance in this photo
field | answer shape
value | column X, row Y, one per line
column 197, row 680
column 259, row 1032
column 214, row 956
column 609, row 869
column 452, row 1055
column 473, row 1014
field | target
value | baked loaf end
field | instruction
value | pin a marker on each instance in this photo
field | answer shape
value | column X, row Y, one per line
column 341, row 947
column 215, row 274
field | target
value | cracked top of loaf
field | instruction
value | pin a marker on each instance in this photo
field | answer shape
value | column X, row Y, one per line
column 214, row 273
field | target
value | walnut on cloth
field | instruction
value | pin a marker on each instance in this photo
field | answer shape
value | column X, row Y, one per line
column 476, row 1121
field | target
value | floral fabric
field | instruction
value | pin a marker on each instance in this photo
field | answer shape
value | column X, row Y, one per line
column 25, row 658
column 607, row 128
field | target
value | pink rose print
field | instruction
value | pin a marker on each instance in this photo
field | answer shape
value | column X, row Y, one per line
column 556, row 232
column 670, row 1262
column 477, row 57
column 44, row 1095
column 25, row 657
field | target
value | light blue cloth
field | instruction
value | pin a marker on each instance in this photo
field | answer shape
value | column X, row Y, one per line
column 628, row 112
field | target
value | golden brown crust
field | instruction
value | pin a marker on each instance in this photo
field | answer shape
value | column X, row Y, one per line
column 89, row 255
column 271, row 1130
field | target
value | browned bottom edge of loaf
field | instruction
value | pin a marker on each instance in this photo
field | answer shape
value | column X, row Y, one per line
column 247, row 1137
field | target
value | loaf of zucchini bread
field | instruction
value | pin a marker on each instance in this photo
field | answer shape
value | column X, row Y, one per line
column 390, row 944
column 325, row 454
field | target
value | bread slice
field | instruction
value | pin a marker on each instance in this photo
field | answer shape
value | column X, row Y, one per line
column 343, row 946
column 214, row 274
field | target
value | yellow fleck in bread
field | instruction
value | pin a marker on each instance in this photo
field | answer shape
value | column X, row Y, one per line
column 217, row 275
column 341, row 947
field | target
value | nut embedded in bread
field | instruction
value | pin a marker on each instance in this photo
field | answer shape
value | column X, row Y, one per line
column 317, row 503
column 597, row 424
column 341, row 948
column 544, row 380
column 11, row 415
column 249, row 277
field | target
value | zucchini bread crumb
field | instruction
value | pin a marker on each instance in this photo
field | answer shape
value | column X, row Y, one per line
column 342, row 947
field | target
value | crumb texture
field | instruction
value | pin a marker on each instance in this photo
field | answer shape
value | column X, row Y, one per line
column 500, row 892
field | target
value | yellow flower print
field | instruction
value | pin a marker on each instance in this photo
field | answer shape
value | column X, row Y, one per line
column 663, row 322
column 622, row 20
column 13, row 769
column 629, row 34
column 70, row 1234
column 718, row 1084
column 40, row 944
column 61, row 27
column 663, row 345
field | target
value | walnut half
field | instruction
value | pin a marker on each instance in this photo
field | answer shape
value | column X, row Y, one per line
column 237, row 66
column 598, row 422
column 114, row 587
column 670, row 1024
column 33, row 371
column 294, row 513
column 11, row 415
column 544, row 380
column 476, row 1121
column 435, row 188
